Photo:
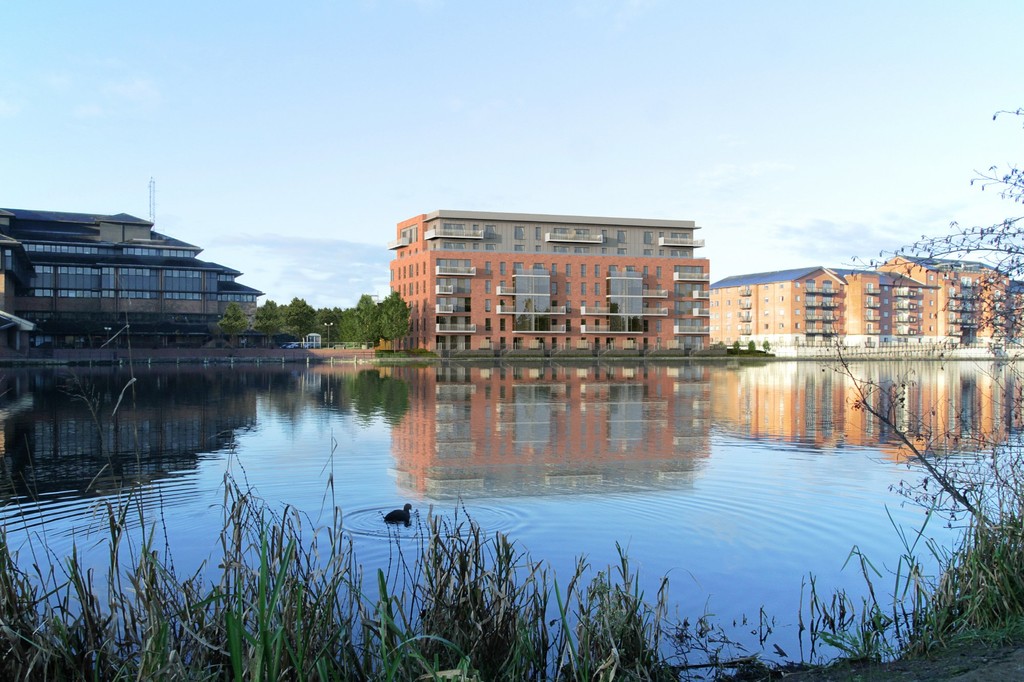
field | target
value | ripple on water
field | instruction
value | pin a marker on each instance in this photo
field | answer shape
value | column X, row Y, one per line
column 369, row 522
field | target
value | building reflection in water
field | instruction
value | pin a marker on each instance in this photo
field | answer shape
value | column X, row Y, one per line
column 955, row 405
column 90, row 432
column 550, row 429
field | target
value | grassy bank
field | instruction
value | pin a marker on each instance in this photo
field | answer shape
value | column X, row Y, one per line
column 286, row 600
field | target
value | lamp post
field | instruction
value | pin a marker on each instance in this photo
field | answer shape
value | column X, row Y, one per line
column 328, row 325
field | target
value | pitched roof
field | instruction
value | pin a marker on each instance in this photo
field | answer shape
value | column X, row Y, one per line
column 80, row 218
column 767, row 277
column 947, row 263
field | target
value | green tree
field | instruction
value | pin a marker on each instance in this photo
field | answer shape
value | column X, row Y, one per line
column 394, row 317
column 767, row 346
column 299, row 318
column 348, row 326
column 751, row 346
column 327, row 322
column 268, row 320
column 368, row 320
column 234, row 321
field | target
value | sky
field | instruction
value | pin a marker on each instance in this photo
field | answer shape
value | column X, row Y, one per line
column 288, row 139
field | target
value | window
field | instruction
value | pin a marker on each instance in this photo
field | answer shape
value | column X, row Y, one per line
column 519, row 247
column 597, row 270
column 621, row 236
column 487, row 305
column 648, row 237
column 536, row 232
column 520, row 232
column 487, row 286
column 501, row 267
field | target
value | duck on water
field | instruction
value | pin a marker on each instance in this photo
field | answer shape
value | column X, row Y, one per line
column 398, row 515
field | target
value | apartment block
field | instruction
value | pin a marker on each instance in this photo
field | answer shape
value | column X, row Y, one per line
column 78, row 278
column 903, row 301
column 511, row 281
column 785, row 307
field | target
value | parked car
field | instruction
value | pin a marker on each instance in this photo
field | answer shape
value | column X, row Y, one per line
column 293, row 344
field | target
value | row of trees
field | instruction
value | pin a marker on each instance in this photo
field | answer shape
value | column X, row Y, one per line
column 368, row 322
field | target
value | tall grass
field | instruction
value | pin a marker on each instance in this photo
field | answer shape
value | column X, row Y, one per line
column 286, row 601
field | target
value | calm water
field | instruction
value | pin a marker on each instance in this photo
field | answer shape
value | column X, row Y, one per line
column 736, row 482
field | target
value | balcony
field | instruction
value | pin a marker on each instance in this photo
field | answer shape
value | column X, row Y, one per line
column 444, row 290
column 455, row 232
column 906, row 317
column 654, row 311
column 681, row 241
column 454, row 328
column 511, row 310
column 744, row 316
column 698, row 312
column 825, row 291
column 575, row 236
column 745, row 305
column 905, row 305
column 746, row 291
column 595, row 310
column 655, row 293
column 903, row 292
column 690, row 277
column 871, row 302
column 444, row 309
column 456, row 270
column 554, row 329
column 872, row 316
column 681, row 329
column 604, row 329
column 399, row 243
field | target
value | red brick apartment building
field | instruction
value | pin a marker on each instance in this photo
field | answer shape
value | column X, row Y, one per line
column 903, row 301
column 509, row 281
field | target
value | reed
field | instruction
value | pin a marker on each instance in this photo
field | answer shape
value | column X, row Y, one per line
column 285, row 601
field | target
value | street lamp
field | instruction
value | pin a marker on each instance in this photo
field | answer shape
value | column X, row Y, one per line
column 328, row 325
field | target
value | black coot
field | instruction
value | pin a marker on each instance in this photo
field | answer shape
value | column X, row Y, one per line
column 398, row 515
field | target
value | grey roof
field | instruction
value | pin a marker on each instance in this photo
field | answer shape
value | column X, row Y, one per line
column 566, row 219
column 767, row 277
column 948, row 263
column 884, row 276
column 80, row 218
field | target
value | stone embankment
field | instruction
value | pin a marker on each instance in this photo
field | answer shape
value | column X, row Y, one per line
column 94, row 356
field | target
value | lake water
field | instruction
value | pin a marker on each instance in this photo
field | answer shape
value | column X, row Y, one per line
column 735, row 481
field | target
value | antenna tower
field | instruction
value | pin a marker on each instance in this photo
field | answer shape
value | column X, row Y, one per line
column 152, row 200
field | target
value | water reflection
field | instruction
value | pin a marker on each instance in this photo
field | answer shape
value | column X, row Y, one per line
column 549, row 429
column 962, row 404
column 82, row 433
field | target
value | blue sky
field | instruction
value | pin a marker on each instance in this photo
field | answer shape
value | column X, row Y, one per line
column 288, row 139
